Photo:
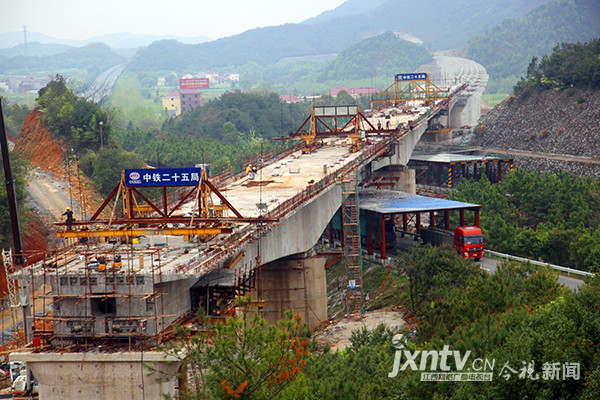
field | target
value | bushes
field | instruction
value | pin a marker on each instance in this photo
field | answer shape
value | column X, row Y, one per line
column 541, row 216
column 570, row 65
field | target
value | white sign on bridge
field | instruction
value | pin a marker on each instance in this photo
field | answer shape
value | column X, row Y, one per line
column 421, row 76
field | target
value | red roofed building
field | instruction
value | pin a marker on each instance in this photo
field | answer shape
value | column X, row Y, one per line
column 290, row 98
column 353, row 92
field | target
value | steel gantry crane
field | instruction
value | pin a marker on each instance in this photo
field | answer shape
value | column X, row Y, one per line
column 410, row 87
column 144, row 216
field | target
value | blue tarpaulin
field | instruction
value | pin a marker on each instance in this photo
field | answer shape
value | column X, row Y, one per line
column 395, row 202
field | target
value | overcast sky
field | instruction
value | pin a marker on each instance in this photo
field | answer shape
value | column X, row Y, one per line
column 82, row 19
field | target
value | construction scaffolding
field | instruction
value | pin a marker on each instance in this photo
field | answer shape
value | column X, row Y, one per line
column 100, row 297
column 13, row 302
column 352, row 245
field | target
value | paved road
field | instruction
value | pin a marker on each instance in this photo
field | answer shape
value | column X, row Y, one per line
column 490, row 265
column 49, row 195
column 524, row 153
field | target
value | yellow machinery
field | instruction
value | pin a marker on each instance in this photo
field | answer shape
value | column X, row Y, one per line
column 345, row 121
column 410, row 87
column 207, row 218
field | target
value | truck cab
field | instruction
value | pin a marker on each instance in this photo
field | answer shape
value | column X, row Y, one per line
column 468, row 242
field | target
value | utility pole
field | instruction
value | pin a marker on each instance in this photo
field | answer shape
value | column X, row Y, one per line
column 11, row 194
column 101, row 137
column 25, row 39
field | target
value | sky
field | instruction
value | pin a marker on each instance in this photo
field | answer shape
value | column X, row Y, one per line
column 83, row 19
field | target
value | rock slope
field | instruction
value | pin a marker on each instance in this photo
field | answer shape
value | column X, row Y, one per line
column 547, row 121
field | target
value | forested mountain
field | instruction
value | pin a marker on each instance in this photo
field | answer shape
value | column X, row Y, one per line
column 349, row 7
column 122, row 40
column 439, row 23
column 95, row 58
column 508, row 48
column 35, row 49
column 385, row 54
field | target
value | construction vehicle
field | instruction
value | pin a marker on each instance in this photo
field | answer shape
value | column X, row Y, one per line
column 466, row 240
column 24, row 384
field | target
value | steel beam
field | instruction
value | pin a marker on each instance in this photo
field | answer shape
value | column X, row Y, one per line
column 139, row 232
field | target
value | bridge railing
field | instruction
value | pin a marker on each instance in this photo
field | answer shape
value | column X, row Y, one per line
column 231, row 245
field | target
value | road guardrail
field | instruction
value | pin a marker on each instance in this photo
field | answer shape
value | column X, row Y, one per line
column 553, row 266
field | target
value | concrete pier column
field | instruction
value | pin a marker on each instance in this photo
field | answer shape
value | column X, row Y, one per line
column 96, row 375
column 407, row 180
column 404, row 179
column 294, row 283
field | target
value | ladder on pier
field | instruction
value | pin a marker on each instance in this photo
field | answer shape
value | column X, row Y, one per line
column 352, row 247
column 7, row 261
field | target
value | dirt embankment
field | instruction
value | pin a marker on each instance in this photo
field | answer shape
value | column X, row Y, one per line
column 53, row 185
column 36, row 144
column 566, row 122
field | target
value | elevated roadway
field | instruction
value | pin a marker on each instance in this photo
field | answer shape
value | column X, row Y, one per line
column 301, row 191
column 103, row 84
column 450, row 70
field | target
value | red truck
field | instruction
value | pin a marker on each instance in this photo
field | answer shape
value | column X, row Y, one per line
column 466, row 240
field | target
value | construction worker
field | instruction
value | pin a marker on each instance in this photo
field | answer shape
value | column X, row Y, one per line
column 69, row 220
column 249, row 169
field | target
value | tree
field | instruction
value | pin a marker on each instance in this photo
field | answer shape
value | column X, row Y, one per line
column 73, row 119
column 243, row 358
column 14, row 116
column 343, row 98
column 107, row 167
column 539, row 215
column 19, row 171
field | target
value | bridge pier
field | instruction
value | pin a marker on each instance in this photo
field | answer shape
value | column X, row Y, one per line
column 297, row 283
column 434, row 137
column 98, row 375
column 402, row 177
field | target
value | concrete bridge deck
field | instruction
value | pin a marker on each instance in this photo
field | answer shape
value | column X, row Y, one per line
column 279, row 190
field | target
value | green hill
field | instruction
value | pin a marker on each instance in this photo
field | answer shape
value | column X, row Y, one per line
column 35, row 49
column 94, row 58
column 385, row 54
column 440, row 24
column 508, row 48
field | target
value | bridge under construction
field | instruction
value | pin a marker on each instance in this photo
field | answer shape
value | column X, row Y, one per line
column 139, row 267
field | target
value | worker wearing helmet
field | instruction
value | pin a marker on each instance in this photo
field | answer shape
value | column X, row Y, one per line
column 251, row 171
column 69, row 220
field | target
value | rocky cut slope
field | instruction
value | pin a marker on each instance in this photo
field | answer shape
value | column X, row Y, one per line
column 566, row 122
